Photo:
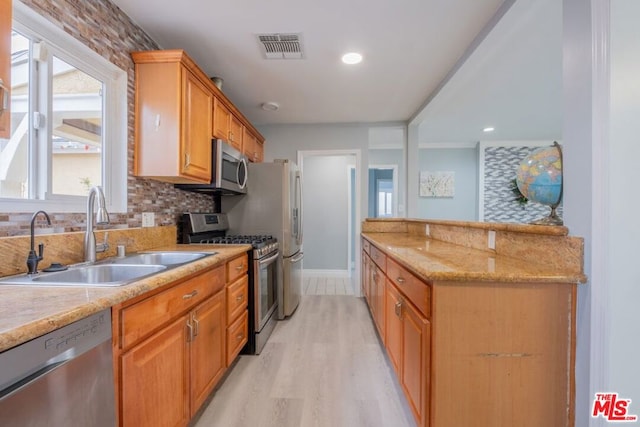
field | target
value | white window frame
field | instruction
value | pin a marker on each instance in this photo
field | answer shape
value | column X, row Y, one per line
column 115, row 112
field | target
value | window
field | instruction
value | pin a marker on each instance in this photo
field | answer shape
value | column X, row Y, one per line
column 68, row 122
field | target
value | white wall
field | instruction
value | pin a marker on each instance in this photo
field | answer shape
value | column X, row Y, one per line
column 623, row 225
column 325, row 208
column 463, row 205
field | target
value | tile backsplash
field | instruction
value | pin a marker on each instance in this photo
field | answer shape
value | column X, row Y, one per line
column 103, row 27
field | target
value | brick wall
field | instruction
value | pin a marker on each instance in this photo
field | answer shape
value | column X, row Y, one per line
column 103, row 27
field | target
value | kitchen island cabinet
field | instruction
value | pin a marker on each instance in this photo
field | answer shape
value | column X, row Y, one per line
column 477, row 337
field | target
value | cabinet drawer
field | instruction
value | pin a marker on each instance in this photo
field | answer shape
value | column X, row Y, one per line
column 237, row 267
column 237, row 298
column 237, row 335
column 366, row 246
column 417, row 291
column 152, row 313
column 379, row 258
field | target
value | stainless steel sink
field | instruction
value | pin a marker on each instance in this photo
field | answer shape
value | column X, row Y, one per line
column 111, row 271
column 168, row 259
column 89, row 275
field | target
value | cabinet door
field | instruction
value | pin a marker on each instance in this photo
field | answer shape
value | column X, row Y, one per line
column 155, row 379
column 415, row 361
column 5, row 68
column 393, row 326
column 235, row 132
column 378, row 300
column 221, row 117
column 195, row 147
column 207, row 348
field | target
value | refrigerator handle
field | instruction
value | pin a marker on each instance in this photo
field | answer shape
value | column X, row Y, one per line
column 300, row 213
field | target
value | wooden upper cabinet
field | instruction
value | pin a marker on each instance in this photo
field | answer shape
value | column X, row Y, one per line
column 173, row 119
column 235, row 132
column 178, row 111
column 5, row 68
column 252, row 147
column 195, row 144
column 221, row 117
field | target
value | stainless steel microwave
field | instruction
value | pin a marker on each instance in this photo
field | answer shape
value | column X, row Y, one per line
column 228, row 174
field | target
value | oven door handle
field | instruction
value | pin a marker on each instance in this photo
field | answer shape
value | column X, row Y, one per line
column 269, row 260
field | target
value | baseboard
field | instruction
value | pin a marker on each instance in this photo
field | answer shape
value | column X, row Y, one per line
column 325, row 273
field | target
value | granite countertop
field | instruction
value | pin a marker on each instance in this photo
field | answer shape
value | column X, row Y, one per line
column 31, row 311
column 435, row 260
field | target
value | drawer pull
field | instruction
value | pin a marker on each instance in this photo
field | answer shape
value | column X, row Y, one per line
column 196, row 327
column 398, row 308
column 190, row 334
column 239, row 298
column 240, row 267
column 239, row 337
column 190, row 295
column 400, row 280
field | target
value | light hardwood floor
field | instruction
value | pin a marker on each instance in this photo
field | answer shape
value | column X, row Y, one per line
column 324, row 366
column 327, row 285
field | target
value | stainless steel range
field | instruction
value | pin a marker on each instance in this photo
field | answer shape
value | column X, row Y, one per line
column 211, row 228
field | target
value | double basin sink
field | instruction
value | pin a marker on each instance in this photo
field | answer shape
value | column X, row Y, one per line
column 111, row 271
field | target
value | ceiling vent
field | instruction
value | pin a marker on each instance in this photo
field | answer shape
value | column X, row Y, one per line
column 281, row 45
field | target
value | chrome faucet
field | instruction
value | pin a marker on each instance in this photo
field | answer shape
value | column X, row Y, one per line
column 102, row 217
column 33, row 259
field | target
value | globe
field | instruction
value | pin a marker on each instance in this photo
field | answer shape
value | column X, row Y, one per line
column 539, row 179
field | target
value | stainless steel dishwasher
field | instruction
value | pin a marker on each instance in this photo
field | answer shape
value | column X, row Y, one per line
column 63, row 378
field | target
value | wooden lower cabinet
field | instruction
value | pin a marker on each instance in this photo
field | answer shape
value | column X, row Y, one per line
column 414, row 364
column 170, row 349
column 155, row 379
column 207, row 349
column 476, row 353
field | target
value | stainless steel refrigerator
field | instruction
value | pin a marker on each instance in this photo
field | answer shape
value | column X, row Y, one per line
column 273, row 205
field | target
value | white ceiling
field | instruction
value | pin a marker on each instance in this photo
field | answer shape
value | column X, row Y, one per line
column 409, row 46
column 512, row 81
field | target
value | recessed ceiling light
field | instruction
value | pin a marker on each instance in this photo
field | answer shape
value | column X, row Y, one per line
column 488, row 129
column 270, row 106
column 352, row 58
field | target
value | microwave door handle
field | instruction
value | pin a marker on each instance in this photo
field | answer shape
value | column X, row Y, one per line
column 242, row 163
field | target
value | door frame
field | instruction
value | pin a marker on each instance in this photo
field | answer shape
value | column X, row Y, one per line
column 301, row 154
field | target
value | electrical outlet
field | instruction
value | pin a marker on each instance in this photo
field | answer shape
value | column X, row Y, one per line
column 491, row 239
column 148, row 219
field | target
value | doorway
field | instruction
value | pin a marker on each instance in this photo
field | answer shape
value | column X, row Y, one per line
column 331, row 209
column 383, row 191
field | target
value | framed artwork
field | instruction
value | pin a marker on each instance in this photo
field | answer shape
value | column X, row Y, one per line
column 437, row 184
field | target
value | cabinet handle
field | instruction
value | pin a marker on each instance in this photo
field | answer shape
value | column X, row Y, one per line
column 239, row 337
column 400, row 280
column 196, row 326
column 190, row 334
column 398, row 308
column 240, row 267
column 240, row 298
column 4, row 96
column 190, row 295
